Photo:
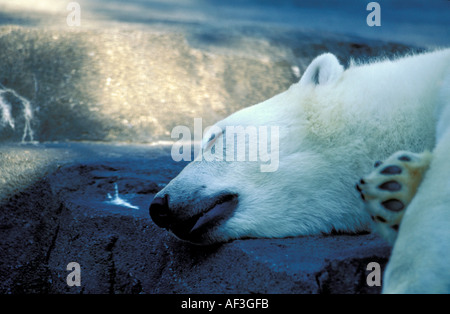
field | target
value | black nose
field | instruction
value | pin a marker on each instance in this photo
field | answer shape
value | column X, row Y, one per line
column 159, row 211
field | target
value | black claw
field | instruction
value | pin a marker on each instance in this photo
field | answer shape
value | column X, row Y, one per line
column 395, row 227
column 380, row 219
column 358, row 188
column 377, row 163
column 362, row 181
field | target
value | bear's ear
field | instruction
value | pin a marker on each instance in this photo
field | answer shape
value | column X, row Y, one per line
column 324, row 69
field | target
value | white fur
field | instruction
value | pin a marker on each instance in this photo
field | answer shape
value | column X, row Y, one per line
column 420, row 258
column 333, row 125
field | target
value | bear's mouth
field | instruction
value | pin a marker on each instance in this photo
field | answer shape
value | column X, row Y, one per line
column 193, row 229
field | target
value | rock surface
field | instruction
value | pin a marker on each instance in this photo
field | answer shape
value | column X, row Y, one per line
column 69, row 216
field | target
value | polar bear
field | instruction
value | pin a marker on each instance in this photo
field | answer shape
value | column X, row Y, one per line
column 331, row 127
column 408, row 197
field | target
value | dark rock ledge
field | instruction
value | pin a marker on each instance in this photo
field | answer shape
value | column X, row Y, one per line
column 65, row 217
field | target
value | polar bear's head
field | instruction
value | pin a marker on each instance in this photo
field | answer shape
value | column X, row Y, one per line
column 285, row 189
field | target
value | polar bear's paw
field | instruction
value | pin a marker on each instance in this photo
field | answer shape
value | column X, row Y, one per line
column 389, row 189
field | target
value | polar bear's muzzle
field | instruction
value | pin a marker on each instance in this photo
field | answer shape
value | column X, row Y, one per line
column 195, row 229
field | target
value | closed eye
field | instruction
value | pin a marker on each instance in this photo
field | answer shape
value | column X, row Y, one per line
column 213, row 136
column 211, row 140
